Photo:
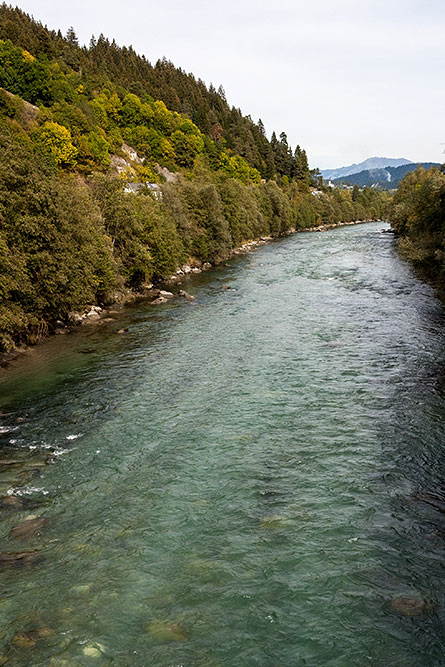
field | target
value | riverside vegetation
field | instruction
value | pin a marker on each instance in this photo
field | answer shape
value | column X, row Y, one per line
column 78, row 124
column 417, row 216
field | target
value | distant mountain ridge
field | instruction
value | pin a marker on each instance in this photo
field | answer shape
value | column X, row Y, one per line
column 370, row 163
column 386, row 179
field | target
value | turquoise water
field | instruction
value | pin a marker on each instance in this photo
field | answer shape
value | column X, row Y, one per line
column 249, row 479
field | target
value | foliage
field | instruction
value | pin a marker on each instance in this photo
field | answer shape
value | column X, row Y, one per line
column 417, row 215
column 55, row 140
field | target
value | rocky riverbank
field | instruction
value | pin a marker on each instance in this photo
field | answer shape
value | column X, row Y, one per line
column 93, row 314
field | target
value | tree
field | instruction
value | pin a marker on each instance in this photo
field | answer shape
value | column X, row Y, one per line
column 55, row 140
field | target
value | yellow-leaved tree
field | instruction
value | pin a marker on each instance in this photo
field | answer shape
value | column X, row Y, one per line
column 55, row 139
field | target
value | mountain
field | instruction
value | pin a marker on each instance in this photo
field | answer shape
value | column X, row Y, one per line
column 370, row 163
column 387, row 179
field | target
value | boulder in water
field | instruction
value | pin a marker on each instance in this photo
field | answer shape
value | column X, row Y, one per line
column 23, row 640
column 158, row 301
column 94, row 650
column 167, row 631
column 186, row 295
column 165, row 294
column 29, row 528
column 410, row 606
column 19, row 558
column 11, row 503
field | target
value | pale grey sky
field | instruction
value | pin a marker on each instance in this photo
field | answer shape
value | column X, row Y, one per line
column 346, row 79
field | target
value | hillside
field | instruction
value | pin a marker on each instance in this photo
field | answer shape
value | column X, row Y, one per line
column 370, row 163
column 386, row 179
column 104, row 188
column 106, row 66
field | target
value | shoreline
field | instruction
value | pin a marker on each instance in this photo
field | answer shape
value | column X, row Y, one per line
column 100, row 315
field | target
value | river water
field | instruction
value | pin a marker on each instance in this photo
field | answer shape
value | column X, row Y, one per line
column 252, row 479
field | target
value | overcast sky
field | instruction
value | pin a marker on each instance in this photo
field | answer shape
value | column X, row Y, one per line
column 346, row 79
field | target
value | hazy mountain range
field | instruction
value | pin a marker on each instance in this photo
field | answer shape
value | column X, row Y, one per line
column 387, row 178
column 370, row 163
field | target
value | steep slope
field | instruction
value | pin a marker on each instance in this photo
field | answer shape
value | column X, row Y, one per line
column 104, row 63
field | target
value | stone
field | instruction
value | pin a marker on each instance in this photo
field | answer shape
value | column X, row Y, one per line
column 23, row 640
column 186, row 295
column 19, row 558
column 165, row 294
column 410, row 606
column 75, row 318
column 81, row 589
column 206, row 266
column 166, row 631
column 274, row 521
column 92, row 315
column 28, row 528
column 11, row 502
column 158, row 301
column 122, row 331
column 186, row 268
column 95, row 650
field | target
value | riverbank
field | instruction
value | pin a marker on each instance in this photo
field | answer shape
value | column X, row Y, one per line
column 94, row 315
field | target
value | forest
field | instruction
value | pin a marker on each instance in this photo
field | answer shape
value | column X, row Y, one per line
column 78, row 125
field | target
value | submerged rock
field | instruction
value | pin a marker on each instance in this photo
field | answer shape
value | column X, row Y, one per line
column 81, row 589
column 275, row 521
column 11, row 503
column 158, row 301
column 29, row 528
column 166, row 631
column 186, row 295
column 19, row 558
column 23, row 640
column 95, row 650
column 122, row 331
column 29, row 638
column 410, row 606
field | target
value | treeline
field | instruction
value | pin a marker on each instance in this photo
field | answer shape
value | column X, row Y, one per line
column 105, row 66
column 67, row 239
column 417, row 215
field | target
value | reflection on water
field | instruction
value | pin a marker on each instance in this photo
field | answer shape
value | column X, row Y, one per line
column 251, row 479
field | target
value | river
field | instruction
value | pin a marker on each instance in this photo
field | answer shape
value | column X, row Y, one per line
column 251, row 479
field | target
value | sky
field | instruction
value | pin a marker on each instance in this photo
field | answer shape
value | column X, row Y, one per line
column 345, row 79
